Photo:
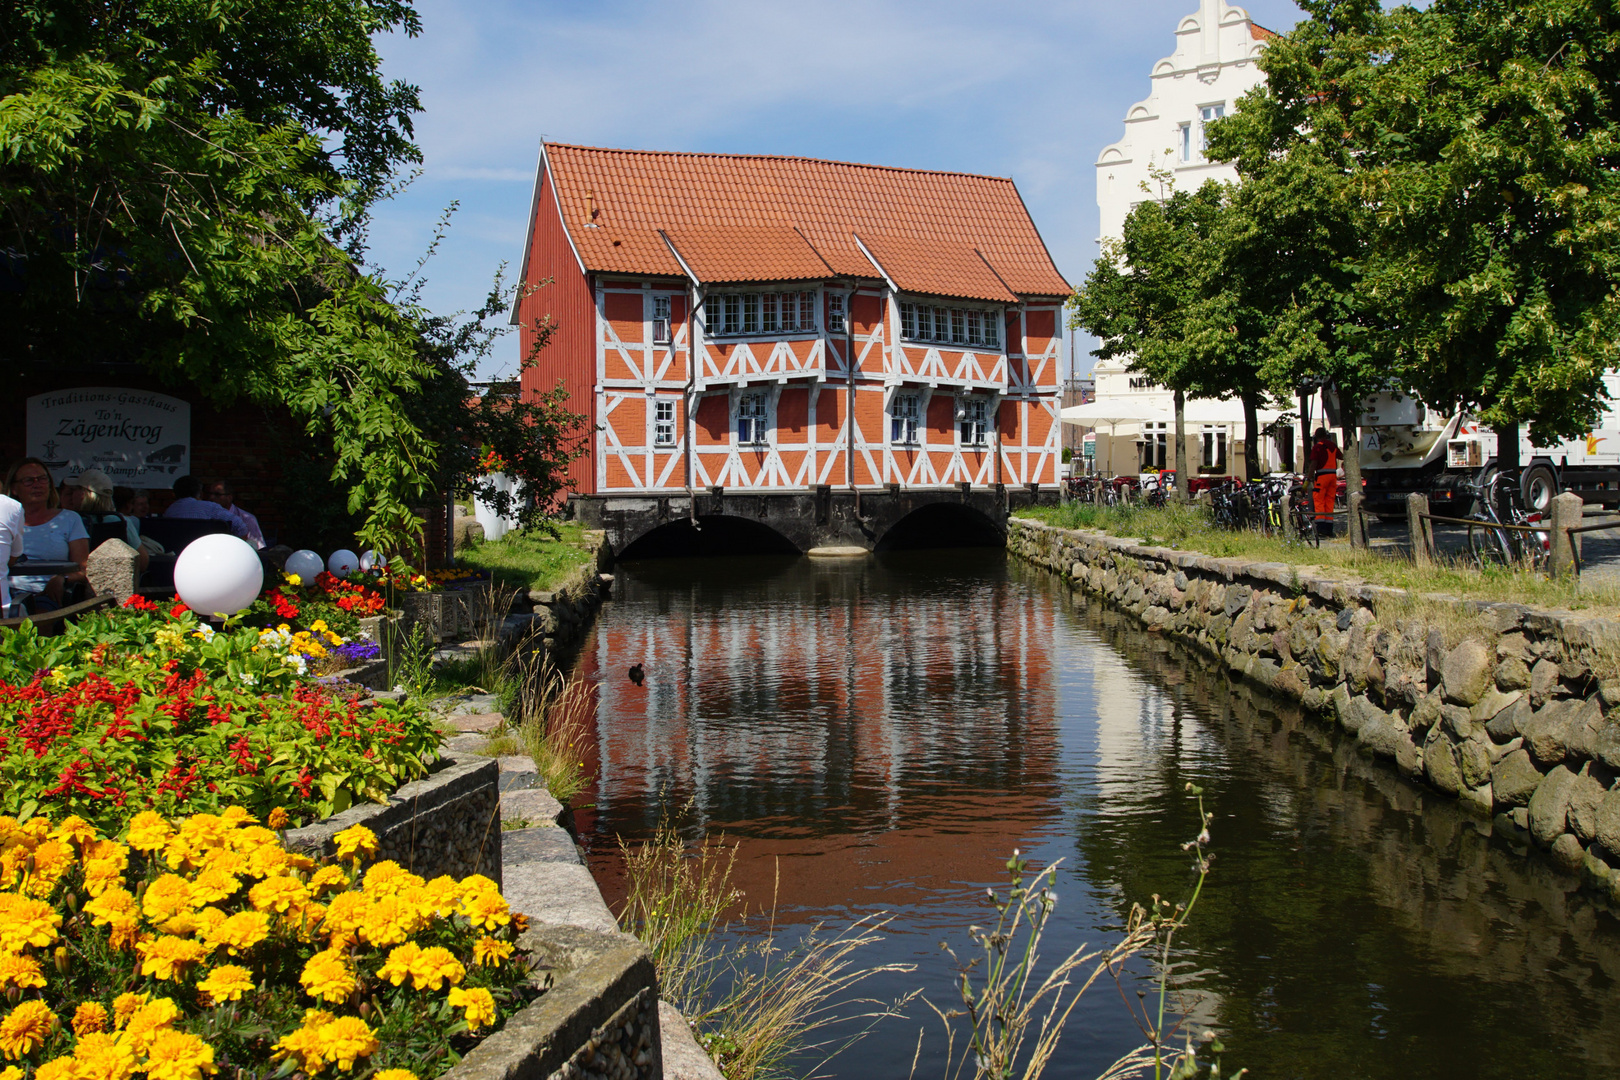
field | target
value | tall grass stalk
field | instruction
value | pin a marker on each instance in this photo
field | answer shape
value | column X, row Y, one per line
column 552, row 714
column 754, row 1004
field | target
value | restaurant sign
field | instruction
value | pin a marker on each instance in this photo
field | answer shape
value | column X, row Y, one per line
column 137, row 437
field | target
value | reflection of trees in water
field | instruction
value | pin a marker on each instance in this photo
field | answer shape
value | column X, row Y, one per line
column 834, row 698
column 1351, row 916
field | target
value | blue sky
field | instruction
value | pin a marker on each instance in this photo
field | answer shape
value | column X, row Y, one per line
column 1028, row 90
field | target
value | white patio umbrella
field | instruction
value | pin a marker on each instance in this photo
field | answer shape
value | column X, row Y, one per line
column 1111, row 411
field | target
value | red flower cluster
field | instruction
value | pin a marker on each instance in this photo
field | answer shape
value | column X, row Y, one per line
column 283, row 604
column 491, row 462
column 350, row 596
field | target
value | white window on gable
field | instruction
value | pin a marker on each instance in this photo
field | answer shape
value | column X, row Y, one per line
column 751, row 420
column 903, row 420
column 664, row 423
column 1184, row 141
column 1208, row 115
column 835, row 313
column 661, row 320
column 767, row 316
column 975, row 422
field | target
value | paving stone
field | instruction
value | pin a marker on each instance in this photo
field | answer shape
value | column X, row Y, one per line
column 534, row 805
column 544, row 878
column 477, row 721
column 684, row 1059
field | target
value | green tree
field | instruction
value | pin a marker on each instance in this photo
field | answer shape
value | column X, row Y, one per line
column 186, row 184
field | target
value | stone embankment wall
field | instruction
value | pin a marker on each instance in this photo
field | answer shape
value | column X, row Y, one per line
column 562, row 615
column 1518, row 728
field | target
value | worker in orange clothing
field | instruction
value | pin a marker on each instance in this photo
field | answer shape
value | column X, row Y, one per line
column 1325, row 468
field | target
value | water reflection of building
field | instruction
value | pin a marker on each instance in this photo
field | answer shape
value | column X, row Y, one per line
column 884, row 737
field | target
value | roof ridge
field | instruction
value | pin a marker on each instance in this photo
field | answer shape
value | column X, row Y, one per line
column 780, row 157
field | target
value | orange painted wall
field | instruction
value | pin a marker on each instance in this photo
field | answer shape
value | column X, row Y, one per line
column 713, row 420
column 793, row 416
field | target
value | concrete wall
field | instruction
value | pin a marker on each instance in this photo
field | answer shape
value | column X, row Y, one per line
column 1519, row 729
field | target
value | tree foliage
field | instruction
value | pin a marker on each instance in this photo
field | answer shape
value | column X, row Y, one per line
column 186, row 185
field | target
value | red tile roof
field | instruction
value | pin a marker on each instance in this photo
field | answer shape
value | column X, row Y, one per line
column 1260, row 33
column 937, row 267
column 722, row 253
column 614, row 202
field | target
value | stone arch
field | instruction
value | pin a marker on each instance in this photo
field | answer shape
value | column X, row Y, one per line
column 943, row 524
column 713, row 534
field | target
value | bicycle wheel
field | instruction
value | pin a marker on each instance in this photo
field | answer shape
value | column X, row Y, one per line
column 1488, row 546
column 1305, row 525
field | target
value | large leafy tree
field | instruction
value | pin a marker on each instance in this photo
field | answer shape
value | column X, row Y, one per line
column 1155, row 298
column 186, row 185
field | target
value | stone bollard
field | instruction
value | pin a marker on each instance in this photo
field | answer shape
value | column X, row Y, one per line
column 1566, row 513
column 112, row 570
column 1417, row 528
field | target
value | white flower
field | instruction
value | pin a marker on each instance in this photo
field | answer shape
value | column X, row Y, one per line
column 249, row 679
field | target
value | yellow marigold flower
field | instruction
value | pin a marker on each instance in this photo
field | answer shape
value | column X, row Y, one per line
column 26, row 922
column 328, row 879
column 212, row 886
column 115, row 903
column 106, row 849
column 327, row 976
column 148, row 831
column 11, row 1073
column 278, row 819
column 487, row 910
column 388, row 878
column 252, row 837
column 400, row 958
column 103, row 1056
column 346, row 1039
column 305, row 1044
column 279, row 894
column 240, row 932
column 237, row 816
column 101, row 875
column 442, row 895
column 318, row 626
column 178, row 1055
column 435, row 966
column 225, row 861
column 169, row 956
column 89, row 1018
column 355, row 842
column 490, row 952
column 20, row 971
column 62, row 1068
column 52, row 859
column 207, row 921
column 146, row 1021
column 389, row 921
column 168, row 896
column 124, row 1006
column 345, row 916
column 386, row 1074
column 25, row 1029
column 228, row 982
column 75, row 830
column 478, row 1006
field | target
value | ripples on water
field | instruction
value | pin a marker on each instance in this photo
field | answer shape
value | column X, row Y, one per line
column 880, row 734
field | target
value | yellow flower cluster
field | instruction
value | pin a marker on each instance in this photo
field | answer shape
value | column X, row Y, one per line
column 221, row 905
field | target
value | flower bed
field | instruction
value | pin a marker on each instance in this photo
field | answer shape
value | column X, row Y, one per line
column 147, row 708
column 205, row 945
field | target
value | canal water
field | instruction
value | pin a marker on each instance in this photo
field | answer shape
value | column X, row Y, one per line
column 881, row 734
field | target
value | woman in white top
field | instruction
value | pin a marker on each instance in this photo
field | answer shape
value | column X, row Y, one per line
column 49, row 533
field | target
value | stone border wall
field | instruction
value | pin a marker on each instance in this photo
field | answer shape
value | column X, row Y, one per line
column 446, row 823
column 597, row 1021
column 1520, row 731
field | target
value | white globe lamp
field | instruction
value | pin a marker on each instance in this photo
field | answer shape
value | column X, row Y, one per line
column 370, row 560
column 343, row 562
column 218, row 574
column 305, row 565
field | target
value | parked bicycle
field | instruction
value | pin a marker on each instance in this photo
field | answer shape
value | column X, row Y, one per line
column 1490, row 543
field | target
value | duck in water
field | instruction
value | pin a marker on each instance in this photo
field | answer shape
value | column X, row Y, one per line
column 636, row 674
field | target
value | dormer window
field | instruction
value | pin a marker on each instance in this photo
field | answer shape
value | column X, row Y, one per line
column 955, row 326
column 752, row 313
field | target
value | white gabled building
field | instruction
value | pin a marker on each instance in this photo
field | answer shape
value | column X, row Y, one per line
column 1212, row 67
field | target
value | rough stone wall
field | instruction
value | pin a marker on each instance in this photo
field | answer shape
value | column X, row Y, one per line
column 447, row 823
column 1519, row 731
column 624, row 1048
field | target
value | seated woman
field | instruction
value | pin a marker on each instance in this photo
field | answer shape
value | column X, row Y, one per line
column 49, row 533
column 96, row 508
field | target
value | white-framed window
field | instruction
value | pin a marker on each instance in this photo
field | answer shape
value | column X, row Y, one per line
column 958, row 326
column 975, row 422
column 734, row 314
column 1155, row 445
column 751, row 420
column 1207, row 115
column 1184, row 141
column 903, row 419
column 1213, row 458
column 835, row 313
column 664, row 423
column 661, row 320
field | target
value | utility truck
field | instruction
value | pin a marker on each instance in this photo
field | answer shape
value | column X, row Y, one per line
column 1407, row 447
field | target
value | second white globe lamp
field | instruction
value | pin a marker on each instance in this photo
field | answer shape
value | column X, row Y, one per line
column 343, row 562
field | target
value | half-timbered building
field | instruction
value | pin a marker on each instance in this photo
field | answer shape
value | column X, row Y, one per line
column 775, row 324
